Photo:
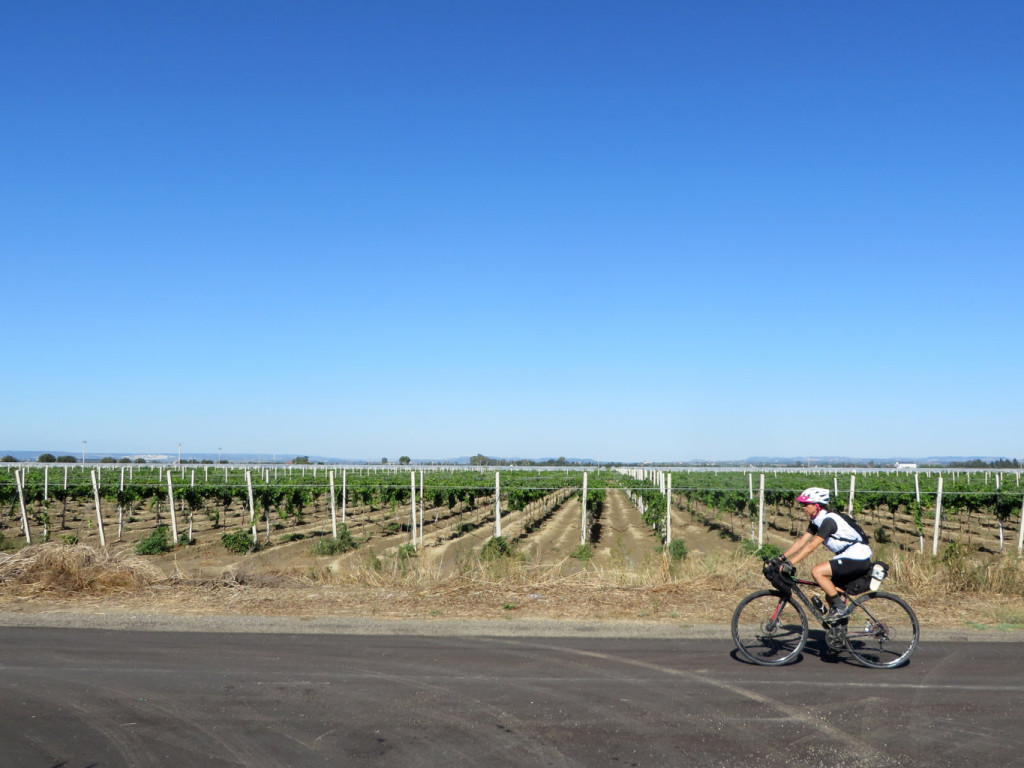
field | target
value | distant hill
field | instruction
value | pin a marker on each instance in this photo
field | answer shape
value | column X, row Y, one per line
column 848, row 461
column 282, row 458
column 157, row 457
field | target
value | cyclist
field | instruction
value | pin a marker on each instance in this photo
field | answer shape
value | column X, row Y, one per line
column 841, row 536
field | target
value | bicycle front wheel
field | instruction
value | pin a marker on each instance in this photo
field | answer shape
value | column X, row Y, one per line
column 882, row 631
column 769, row 629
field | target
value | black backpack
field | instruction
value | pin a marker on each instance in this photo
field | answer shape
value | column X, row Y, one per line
column 853, row 524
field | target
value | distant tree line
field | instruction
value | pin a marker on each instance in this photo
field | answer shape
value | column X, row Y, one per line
column 561, row 461
column 997, row 464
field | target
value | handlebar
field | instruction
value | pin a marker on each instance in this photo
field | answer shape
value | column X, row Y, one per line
column 779, row 573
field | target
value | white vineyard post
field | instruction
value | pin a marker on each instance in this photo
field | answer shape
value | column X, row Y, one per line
column 99, row 513
column 750, row 485
column 344, row 493
column 422, row 507
column 938, row 518
column 174, row 516
column 334, row 511
column 668, row 509
column 497, row 505
column 252, row 505
column 65, row 477
column 206, row 473
column 853, row 485
column 917, row 487
column 46, row 483
column 120, row 508
column 19, row 481
column 412, row 480
column 192, row 479
column 760, row 513
column 1020, row 529
column 835, row 486
column 583, row 513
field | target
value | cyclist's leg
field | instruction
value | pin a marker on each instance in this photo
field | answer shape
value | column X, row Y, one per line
column 843, row 570
column 822, row 575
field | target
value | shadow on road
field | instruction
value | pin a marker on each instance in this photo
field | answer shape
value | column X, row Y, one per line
column 816, row 647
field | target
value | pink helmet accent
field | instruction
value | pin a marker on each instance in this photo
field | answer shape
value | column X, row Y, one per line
column 814, row 496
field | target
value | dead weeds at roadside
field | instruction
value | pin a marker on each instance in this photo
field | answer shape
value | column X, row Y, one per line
column 58, row 568
column 699, row 589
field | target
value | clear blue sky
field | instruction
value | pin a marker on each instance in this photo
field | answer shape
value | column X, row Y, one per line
column 633, row 231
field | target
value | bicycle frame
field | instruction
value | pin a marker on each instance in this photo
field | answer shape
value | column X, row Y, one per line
column 835, row 633
column 795, row 589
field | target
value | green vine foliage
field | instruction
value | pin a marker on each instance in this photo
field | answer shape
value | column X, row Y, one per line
column 334, row 546
column 158, row 542
column 498, row 547
column 240, row 542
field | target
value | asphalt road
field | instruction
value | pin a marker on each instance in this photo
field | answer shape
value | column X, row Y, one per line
column 84, row 697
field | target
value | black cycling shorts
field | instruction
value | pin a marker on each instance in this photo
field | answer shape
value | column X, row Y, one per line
column 845, row 568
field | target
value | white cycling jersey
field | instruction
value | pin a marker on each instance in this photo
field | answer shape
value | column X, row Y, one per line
column 840, row 537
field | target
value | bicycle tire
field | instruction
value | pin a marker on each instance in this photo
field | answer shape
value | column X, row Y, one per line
column 759, row 638
column 883, row 631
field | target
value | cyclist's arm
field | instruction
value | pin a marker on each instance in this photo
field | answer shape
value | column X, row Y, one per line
column 798, row 545
column 809, row 546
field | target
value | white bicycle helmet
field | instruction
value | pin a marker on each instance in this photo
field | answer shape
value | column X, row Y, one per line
column 814, row 496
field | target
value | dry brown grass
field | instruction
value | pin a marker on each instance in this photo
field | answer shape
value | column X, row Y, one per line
column 955, row 591
column 60, row 568
column 955, row 572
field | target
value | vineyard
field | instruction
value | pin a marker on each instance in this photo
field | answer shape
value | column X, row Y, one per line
column 361, row 514
column 440, row 518
column 924, row 512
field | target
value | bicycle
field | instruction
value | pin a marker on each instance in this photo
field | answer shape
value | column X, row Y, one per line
column 770, row 628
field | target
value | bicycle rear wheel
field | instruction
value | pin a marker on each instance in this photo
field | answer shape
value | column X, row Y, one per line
column 882, row 631
column 769, row 629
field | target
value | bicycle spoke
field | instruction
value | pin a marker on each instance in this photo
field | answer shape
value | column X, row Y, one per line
column 882, row 631
column 768, row 629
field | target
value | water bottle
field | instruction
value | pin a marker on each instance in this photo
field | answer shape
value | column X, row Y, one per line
column 818, row 605
column 878, row 574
